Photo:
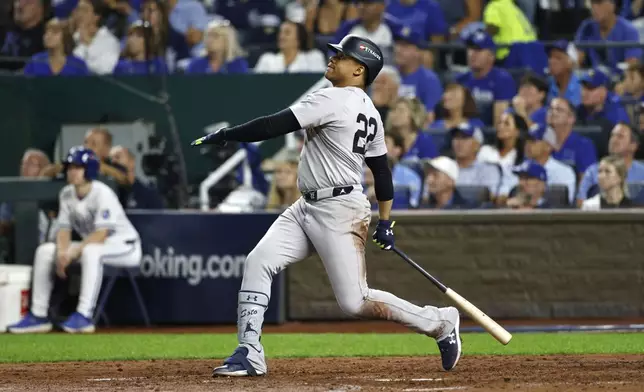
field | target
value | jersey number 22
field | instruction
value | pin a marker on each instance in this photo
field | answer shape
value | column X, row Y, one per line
column 365, row 134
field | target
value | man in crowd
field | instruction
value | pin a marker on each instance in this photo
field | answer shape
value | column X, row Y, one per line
column 492, row 88
column 135, row 193
column 599, row 106
column 404, row 178
column 442, row 176
column 384, row 90
column 25, row 37
column 416, row 80
column 606, row 25
column 530, row 102
column 624, row 142
column 507, row 24
column 532, row 187
column 562, row 61
column 466, row 141
column 572, row 149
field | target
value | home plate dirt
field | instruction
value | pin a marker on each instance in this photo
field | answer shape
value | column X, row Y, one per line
column 411, row 374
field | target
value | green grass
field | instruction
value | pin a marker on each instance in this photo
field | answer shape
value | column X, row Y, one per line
column 63, row 347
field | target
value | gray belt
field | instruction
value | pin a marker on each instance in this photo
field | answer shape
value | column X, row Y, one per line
column 327, row 192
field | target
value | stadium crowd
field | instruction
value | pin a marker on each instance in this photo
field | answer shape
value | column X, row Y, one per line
column 507, row 121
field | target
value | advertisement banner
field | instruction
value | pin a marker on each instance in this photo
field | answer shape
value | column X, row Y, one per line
column 192, row 268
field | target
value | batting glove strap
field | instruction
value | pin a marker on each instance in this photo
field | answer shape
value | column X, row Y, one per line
column 217, row 138
column 384, row 234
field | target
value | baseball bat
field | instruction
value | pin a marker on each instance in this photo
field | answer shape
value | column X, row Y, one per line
column 499, row 333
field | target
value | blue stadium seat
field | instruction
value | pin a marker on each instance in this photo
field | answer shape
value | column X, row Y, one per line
column 474, row 194
column 112, row 273
column 557, row 196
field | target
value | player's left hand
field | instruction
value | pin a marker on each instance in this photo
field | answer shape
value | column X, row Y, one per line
column 216, row 138
column 384, row 234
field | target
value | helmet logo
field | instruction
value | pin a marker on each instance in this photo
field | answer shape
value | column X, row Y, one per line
column 84, row 158
column 370, row 51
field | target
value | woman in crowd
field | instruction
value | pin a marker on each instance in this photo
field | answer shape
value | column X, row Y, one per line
column 95, row 44
column 406, row 119
column 136, row 59
column 224, row 54
column 293, row 55
column 284, row 190
column 58, row 58
column 508, row 148
column 155, row 13
column 459, row 107
column 330, row 14
column 613, row 191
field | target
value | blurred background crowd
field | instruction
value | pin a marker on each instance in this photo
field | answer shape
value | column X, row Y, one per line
column 519, row 104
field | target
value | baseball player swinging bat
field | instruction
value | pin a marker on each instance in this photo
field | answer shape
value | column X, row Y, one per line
column 466, row 306
column 344, row 131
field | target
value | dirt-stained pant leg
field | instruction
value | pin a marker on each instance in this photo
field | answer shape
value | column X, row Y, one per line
column 338, row 228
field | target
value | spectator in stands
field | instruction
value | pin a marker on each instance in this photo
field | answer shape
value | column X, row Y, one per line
column 632, row 89
column 384, row 90
column 224, row 54
column 572, row 149
column 372, row 23
column 134, row 193
column 600, row 107
column 605, row 25
column 98, row 140
column 142, row 55
column 624, row 142
column 62, row 9
column 613, row 189
column 58, row 58
column 458, row 106
column 532, row 187
column 33, row 162
column 416, row 80
column 329, row 15
column 460, row 13
column 440, row 181
column 187, row 23
column 121, row 14
column 493, row 88
column 294, row 55
column 530, row 102
column 564, row 82
column 425, row 18
column 404, row 178
column 24, row 37
column 406, row 119
column 466, row 142
column 249, row 14
column 508, row 148
column 507, row 24
column 284, row 190
column 539, row 146
column 94, row 43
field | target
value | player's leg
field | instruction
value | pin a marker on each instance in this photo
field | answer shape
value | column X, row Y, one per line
column 114, row 251
column 344, row 222
column 41, row 287
column 283, row 244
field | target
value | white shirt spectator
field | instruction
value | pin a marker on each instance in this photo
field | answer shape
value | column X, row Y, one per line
column 102, row 54
column 491, row 155
column 558, row 174
column 480, row 174
column 312, row 61
column 381, row 36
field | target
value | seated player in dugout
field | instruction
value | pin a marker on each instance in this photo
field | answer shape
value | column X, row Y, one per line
column 98, row 140
column 344, row 132
column 135, row 193
column 91, row 209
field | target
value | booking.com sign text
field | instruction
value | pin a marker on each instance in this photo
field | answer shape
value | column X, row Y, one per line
column 193, row 267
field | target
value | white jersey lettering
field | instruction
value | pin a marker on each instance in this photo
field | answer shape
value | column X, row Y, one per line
column 343, row 128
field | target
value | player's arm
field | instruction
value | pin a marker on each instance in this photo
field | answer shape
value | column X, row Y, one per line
column 118, row 175
column 383, row 184
column 51, row 170
column 64, row 234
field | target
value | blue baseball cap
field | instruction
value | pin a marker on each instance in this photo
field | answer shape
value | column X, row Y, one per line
column 532, row 169
column 466, row 129
column 595, row 78
column 481, row 40
column 543, row 132
column 409, row 35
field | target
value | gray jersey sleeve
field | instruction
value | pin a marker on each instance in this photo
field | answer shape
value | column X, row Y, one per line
column 316, row 109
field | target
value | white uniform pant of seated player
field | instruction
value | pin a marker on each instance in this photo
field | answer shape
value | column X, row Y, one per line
column 115, row 251
column 337, row 228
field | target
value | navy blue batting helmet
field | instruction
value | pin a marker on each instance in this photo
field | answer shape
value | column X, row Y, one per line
column 363, row 50
column 86, row 158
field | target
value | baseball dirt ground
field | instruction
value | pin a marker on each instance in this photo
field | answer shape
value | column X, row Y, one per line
column 411, row 374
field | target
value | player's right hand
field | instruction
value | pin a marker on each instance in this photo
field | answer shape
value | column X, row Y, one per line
column 216, row 138
column 62, row 261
